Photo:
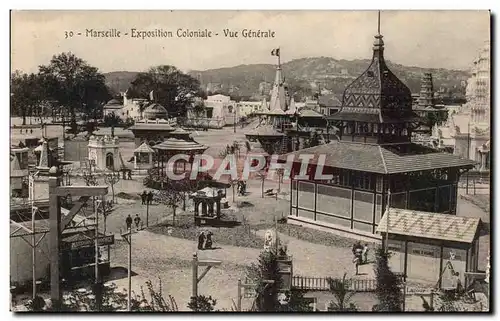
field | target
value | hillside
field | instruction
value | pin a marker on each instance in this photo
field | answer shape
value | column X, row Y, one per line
column 119, row 81
column 329, row 73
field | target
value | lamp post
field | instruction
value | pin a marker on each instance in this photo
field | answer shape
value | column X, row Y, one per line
column 147, row 210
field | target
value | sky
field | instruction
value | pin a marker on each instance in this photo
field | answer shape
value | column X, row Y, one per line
column 428, row 39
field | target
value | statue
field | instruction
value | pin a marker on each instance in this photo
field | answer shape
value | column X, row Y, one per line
column 268, row 240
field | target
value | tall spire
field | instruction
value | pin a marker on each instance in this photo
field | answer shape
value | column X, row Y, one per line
column 278, row 95
column 378, row 45
column 378, row 27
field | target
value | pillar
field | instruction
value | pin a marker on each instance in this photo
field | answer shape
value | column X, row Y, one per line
column 483, row 161
column 211, row 208
column 217, row 204
column 150, row 159
column 204, row 208
column 54, row 237
column 135, row 161
column 196, row 205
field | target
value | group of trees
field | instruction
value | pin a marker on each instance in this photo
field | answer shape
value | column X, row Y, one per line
column 171, row 88
column 68, row 86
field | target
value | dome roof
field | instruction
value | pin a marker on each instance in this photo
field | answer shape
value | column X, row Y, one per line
column 114, row 102
column 377, row 95
column 154, row 111
column 377, row 87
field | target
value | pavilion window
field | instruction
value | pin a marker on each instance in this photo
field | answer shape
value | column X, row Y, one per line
column 344, row 178
column 379, row 183
column 375, row 128
column 363, row 180
column 352, row 128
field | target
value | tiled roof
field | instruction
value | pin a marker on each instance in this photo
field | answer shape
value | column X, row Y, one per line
column 382, row 159
column 152, row 126
column 174, row 144
column 310, row 113
column 264, row 130
column 430, row 225
column 144, row 148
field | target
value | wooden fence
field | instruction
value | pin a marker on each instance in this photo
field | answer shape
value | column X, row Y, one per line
column 322, row 284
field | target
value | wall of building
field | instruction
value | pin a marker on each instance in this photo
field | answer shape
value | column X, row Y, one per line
column 359, row 209
column 246, row 108
column 21, row 267
column 75, row 150
column 426, row 260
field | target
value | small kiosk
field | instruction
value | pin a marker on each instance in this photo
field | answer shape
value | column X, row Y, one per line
column 143, row 157
column 431, row 247
column 210, row 201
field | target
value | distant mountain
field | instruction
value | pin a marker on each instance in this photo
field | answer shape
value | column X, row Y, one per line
column 119, row 81
column 328, row 73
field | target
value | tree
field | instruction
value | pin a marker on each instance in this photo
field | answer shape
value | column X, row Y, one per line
column 280, row 172
column 262, row 176
column 89, row 177
column 172, row 88
column 170, row 197
column 233, row 182
column 236, row 149
column 26, row 94
column 267, row 293
column 111, row 179
column 75, row 85
column 112, row 120
column 388, row 290
column 199, row 108
column 340, row 289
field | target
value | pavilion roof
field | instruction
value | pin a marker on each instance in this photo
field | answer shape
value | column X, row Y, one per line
column 309, row 113
column 153, row 126
column 383, row 159
column 264, row 131
column 144, row 148
column 430, row 225
column 180, row 130
column 207, row 192
column 174, row 144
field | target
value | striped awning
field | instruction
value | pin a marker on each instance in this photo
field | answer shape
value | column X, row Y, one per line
column 429, row 225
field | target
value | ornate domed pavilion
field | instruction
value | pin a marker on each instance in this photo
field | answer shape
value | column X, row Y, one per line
column 350, row 181
column 155, row 111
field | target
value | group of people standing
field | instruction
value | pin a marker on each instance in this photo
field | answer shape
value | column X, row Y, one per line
column 147, row 198
column 205, row 240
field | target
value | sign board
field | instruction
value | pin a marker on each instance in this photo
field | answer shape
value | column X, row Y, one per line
column 104, row 240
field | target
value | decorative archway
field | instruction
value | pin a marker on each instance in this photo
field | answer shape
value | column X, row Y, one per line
column 110, row 161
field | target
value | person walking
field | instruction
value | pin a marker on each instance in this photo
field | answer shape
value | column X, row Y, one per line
column 365, row 254
column 129, row 173
column 128, row 221
column 137, row 220
column 150, row 198
column 144, row 197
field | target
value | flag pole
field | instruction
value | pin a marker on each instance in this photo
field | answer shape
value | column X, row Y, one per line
column 279, row 58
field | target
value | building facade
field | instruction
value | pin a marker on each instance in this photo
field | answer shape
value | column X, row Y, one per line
column 374, row 162
column 468, row 129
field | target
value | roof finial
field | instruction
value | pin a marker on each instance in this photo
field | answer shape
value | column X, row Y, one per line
column 378, row 29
